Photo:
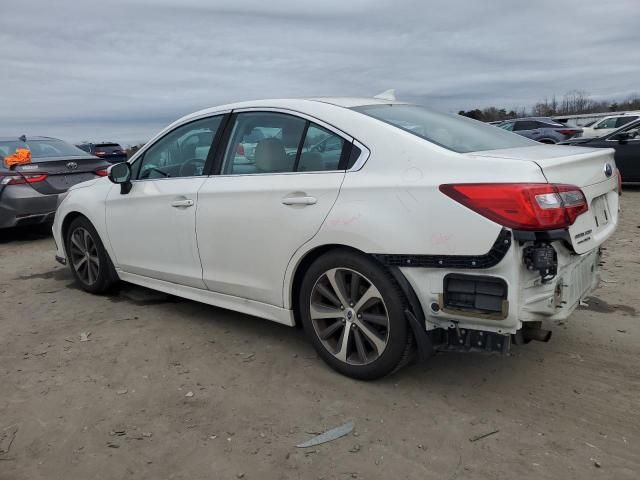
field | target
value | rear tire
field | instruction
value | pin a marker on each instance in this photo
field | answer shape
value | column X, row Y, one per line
column 88, row 259
column 353, row 312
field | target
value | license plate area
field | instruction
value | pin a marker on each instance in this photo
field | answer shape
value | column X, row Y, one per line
column 580, row 278
column 62, row 182
column 600, row 211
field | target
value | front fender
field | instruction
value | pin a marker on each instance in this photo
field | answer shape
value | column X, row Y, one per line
column 89, row 201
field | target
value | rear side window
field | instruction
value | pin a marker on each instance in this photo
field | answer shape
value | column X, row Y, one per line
column 322, row 150
column 453, row 132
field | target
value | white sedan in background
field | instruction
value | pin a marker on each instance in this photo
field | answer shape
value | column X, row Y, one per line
column 605, row 126
column 416, row 231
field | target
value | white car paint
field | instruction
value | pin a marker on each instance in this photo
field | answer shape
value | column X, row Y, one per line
column 242, row 243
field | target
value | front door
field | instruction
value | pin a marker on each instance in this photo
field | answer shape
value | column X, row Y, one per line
column 260, row 209
column 152, row 229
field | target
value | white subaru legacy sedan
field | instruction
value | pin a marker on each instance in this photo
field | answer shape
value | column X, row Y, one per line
column 387, row 230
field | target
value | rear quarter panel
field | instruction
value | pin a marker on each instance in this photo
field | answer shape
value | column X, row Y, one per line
column 393, row 204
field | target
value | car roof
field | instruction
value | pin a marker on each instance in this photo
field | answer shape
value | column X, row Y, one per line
column 12, row 139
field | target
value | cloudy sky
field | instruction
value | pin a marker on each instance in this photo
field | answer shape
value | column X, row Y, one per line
column 120, row 70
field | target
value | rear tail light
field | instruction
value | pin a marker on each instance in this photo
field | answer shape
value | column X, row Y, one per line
column 521, row 206
column 102, row 172
column 20, row 179
column 100, row 153
column 240, row 149
column 568, row 131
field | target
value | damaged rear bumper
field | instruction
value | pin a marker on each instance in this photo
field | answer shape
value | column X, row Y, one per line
column 481, row 308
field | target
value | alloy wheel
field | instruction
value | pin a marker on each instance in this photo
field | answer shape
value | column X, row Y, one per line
column 349, row 316
column 84, row 256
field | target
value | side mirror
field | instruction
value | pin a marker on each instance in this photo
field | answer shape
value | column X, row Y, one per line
column 120, row 173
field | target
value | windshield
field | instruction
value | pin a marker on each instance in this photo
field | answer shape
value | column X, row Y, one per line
column 454, row 132
column 42, row 149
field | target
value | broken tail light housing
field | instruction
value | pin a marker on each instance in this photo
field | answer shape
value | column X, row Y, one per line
column 522, row 206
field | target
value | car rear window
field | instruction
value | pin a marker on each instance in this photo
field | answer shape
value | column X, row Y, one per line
column 108, row 148
column 42, row 149
column 453, row 132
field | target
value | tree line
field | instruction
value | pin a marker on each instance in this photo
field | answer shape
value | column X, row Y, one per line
column 572, row 103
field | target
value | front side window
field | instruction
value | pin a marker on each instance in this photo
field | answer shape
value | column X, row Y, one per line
column 270, row 142
column 181, row 153
column 608, row 123
column 453, row 132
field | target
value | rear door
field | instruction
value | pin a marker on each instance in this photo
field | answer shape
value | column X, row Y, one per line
column 152, row 229
column 258, row 211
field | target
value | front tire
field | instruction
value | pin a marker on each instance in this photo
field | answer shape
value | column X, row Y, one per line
column 353, row 312
column 88, row 259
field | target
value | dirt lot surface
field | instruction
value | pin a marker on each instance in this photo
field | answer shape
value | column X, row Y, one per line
column 164, row 388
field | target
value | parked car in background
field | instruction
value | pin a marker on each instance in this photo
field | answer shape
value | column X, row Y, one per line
column 541, row 129
column 29, row 192
column 109, row 151
column 605, row 126
column 387, row 230
column 626, row 142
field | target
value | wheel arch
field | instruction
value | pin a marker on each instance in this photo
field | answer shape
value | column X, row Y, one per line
column 66, row 222
column 313, row 254
column 303, row 264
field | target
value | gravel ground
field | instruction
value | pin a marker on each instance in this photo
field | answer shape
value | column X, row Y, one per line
column 164, row 388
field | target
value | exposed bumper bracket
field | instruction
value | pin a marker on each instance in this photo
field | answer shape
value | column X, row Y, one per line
column 491, row 258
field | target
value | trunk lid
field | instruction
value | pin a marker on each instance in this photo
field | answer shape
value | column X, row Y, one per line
column 591, row 169
column 62, row 172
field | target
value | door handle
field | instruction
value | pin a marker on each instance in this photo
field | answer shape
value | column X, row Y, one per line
column 182, row 203
column 299, row 200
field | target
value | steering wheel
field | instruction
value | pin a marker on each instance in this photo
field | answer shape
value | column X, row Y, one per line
column 192, row 167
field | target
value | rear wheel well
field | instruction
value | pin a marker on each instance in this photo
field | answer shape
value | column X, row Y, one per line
column 301, row 270
column 317, row 252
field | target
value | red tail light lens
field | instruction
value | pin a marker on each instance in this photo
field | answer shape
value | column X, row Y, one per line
column 521, row 206
column 619, row 181
column 569, row 132
column 100, row 153
column 14, row 179
column 240, row 149
column 103, row 172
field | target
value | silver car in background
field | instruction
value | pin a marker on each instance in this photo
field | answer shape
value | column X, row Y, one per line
column 541, row 129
